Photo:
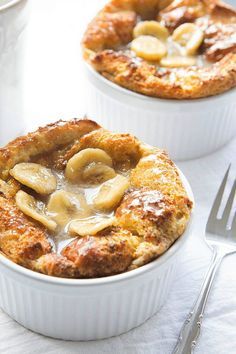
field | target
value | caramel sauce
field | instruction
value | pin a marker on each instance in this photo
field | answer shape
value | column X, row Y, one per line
column 173, row 49
column 62, row 237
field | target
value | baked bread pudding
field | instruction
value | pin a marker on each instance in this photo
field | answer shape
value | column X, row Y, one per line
column 78, row 201
column 177, row 49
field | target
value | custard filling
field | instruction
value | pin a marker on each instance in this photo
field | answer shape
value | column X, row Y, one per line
column 77, row 202
column 153, row 43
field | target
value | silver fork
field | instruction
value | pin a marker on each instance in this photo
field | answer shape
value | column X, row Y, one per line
column 221, row 239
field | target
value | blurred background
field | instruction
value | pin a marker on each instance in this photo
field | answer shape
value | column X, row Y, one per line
column 54, row 85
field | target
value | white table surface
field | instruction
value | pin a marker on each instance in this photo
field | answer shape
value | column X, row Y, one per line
column 55, row 88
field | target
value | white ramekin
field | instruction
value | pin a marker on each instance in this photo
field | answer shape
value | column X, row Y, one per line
column 187, row 129
column 89, row 309
column 13, row 20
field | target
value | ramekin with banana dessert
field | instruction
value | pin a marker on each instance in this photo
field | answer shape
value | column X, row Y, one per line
column 172, row 53
column 92, row 224
column 78, row 201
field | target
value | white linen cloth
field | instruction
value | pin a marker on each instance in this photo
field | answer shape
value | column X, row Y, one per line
column 54, row 88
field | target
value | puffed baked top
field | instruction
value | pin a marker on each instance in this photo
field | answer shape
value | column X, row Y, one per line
column 78, row 201
column 177, row 49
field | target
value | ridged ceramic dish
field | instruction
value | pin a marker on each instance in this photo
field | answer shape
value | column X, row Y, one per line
column 187, row 129
column 89, row 309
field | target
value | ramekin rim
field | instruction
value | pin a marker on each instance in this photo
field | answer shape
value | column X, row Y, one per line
column 151, row 99
column 10, row 4
column 57, row 281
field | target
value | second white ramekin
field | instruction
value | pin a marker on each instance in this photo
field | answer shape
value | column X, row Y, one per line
column 89, row 309
column 187, row 129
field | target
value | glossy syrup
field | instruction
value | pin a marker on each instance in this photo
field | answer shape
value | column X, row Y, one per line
column 173, row 49
column 62, row 238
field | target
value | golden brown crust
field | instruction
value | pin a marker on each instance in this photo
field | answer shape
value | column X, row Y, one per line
column 144, row 8
column 44, row 141
column 158, row 207
column 124, row 149
column 181, row 11
column 151, row 216
column 9, row 188
column 156, row 171
column 176, row 83
column 20, row 238
column 144, row 212
column 100, row 256
column 219, row 41
column 116, row 29
column 128, row 71
column 55, row 265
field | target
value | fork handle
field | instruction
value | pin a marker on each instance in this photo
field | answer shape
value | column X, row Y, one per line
column 192, row 325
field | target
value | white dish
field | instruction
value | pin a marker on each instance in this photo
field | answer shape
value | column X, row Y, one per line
column 13, row 20
column 187, row 129
column 89, row 309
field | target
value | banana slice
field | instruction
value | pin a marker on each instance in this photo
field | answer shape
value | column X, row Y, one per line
column 31, row 207
column 151, row 28
column 189, row 36
column 111, row 193
column 35, row 176
column 98, row 172
column 90, row 226
column 148, row 47
column 65, row 206
column 178, row 62
column 90, row 166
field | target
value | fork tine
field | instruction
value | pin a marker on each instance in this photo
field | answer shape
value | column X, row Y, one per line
column 228, row 206
column 218, row 198
column 233, row 226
